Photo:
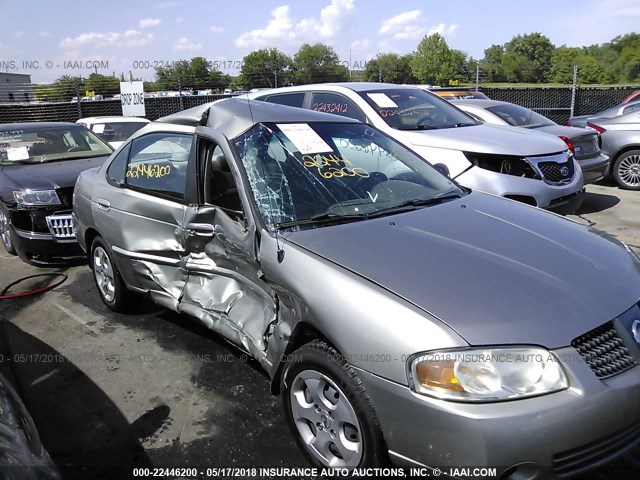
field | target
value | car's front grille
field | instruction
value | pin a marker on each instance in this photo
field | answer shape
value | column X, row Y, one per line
column 61, row 227
column 578, row 460
column 557, row 172
column 603, row 350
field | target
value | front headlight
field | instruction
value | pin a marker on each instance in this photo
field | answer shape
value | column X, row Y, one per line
column 36, row 197
column 490, row 374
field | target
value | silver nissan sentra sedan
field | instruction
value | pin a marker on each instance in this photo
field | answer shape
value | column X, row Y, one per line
column 401, row 316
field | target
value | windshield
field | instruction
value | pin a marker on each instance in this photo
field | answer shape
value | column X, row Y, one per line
column 415, row 109
column 519, row 116
column 116, row 131
column 37, row 146
column 301, row 172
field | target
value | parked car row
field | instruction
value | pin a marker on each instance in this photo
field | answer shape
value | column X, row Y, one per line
column 619, row 132
column 389, row 304
column 524, row 165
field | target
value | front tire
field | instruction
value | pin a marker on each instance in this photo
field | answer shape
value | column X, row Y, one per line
column 329, row 411
column 5, row 231
column 113, row 292
column 626, row 170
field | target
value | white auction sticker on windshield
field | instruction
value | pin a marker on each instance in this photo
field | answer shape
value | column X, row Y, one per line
column 304, row 138
column 98, row 128
column 382, row 100
column 18, row 153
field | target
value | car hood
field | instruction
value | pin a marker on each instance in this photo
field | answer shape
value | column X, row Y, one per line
column 485, row 138
column 50, row 175
column 496, row 271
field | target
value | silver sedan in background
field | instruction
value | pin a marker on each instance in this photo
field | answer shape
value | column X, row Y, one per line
column 583, row 143
column 401, row 316
column 620, row 139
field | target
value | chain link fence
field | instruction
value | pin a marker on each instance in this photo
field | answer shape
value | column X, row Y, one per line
column 38, row 103
column 555, row 102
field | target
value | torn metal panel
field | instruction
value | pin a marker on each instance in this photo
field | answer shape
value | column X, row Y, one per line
column 225, row 289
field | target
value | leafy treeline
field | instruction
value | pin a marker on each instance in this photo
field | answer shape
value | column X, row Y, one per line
column 530, row 58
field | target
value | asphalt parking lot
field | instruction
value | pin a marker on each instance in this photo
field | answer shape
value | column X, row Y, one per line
column 111, row 392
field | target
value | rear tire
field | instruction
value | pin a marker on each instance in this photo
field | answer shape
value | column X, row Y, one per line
column 5, row 230
column 626, row 170
column 329, row 411
column 111, row 288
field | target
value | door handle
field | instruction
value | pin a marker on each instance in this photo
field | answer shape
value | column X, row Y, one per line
column 201, row 229
column 103, row 204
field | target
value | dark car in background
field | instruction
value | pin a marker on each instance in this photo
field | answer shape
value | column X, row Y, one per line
column 582, row 142
column 39, row 165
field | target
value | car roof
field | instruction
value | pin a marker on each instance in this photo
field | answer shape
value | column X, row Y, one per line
column 35, row 126
column 354, row 86
column 113, row 119
column 234, row 116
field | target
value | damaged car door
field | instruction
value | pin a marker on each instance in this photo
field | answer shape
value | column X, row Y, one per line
column 225, row 288
column 144, row 222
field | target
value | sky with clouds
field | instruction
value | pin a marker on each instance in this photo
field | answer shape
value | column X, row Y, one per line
column 63, row 37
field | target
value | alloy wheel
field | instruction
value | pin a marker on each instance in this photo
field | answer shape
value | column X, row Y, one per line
column 629, row 170
column 326, row 420
column 103, row 272
column 4, row 230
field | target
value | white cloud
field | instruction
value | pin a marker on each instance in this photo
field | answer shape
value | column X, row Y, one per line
column 130, row 38
column 404, row 26
column 45, row 34
column 149, row 22
column 216, row 29
column 19, row 34
column 358, row 45
column 179, row 19
column 184, row 45
column 284, row 30
column 448, row 32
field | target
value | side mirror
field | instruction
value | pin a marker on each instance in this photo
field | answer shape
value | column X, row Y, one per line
column 442, row 168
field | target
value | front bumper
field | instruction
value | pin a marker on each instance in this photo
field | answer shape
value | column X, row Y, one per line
column 595, row 168
column 58, row 244
column 529, row 190
column 584, row 424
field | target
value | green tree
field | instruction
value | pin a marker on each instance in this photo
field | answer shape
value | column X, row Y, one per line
column 391, row 68
column 63, row 89
column 268, row 67
column 491, row 65
column 318, row 63
column 102, row 84
column 435, row 63
column 195, row 74
column 529, row 58
column 563, row 60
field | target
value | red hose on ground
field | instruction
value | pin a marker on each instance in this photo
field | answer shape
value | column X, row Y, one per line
column 46, row 288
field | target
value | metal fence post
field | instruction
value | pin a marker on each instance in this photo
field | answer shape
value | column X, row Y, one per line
column 79, row 100
column 573, row 90
column 477, row 77
column 180, row 94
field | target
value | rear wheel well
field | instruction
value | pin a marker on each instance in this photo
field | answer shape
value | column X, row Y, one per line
column 304, row 333
column 622, row 152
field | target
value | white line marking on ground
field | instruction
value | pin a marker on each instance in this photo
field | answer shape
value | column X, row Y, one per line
column 75, row 317
column 45, row 376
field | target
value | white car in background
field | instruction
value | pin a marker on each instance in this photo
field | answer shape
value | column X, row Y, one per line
column 516, row 163
column 114, row 130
